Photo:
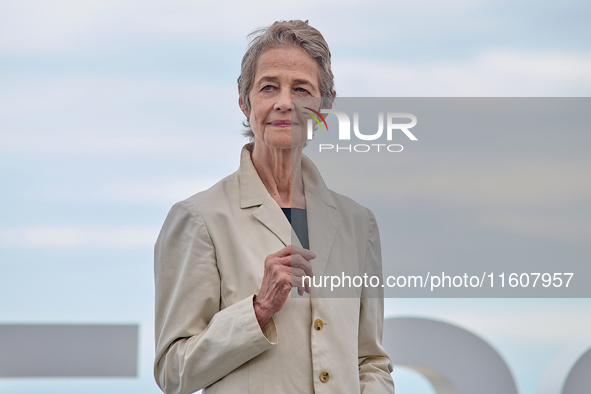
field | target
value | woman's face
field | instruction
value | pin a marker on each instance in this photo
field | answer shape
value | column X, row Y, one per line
column 281, row 73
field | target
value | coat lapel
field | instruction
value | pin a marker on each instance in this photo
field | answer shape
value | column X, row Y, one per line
column 321, row 209
column 272, row 217
column 323, row 216
column 254, row 195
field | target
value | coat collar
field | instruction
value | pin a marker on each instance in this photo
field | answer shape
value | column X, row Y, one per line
column 320, row 206
column 253, row 191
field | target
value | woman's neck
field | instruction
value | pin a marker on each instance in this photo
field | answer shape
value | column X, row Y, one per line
column 281, row 173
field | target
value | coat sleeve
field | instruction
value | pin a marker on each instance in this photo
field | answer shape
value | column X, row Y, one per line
column 374, row 364
column 197, row 343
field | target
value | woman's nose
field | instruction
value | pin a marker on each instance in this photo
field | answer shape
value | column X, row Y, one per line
column 283, row 102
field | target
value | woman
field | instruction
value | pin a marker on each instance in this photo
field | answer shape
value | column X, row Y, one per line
column 225, row 264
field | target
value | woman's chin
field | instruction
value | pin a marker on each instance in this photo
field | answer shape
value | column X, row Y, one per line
column 284, row 142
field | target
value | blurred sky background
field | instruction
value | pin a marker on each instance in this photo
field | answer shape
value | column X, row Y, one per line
column 111, row 111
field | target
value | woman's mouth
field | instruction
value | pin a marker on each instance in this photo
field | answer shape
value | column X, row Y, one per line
column 281, row 123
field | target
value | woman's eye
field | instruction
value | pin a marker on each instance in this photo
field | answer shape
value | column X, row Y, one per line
column 268, row 87
column 301, row 90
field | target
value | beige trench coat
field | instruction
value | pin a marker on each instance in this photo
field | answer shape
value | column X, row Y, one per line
column 209, row 261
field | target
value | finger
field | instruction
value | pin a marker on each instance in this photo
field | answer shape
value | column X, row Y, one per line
column 297, row 280
column 300, row 262
column 293, row 249
column 286, row 251
column 302, row 281
column 297, row 261
column 305, row 253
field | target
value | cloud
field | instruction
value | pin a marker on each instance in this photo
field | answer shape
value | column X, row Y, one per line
column 149, row 190
column 501, row 72
column 573, row 228
column 42, row 26
column 464, row 179
column 69, row 237
column 62, row 26
column 520, row 194
column 121, row 116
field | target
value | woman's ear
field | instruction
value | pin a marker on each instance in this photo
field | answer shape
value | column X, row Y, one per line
column 242, row 105
column 334, row 94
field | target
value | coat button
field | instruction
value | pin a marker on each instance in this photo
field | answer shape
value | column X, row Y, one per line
column 318, row 324
column 324, row 376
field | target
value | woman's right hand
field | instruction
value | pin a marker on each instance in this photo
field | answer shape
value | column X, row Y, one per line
column 283, row 270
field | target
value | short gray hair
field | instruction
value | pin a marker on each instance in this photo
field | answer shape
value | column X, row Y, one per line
column 285, row 33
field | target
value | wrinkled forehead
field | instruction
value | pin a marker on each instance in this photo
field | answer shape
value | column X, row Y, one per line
column 287, row 64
